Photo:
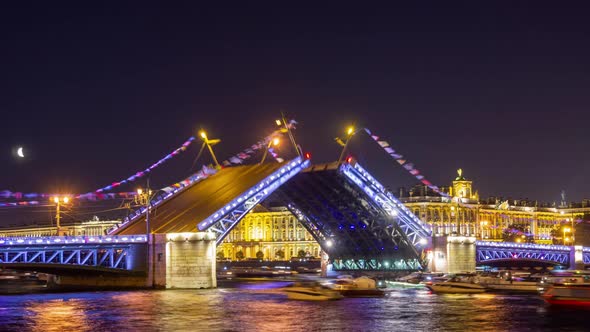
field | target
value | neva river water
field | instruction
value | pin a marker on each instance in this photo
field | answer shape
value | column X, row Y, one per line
column 258, row 307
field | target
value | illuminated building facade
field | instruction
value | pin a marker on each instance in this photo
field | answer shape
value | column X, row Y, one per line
column 463, row 213
column 276, row 233
column 87, row 228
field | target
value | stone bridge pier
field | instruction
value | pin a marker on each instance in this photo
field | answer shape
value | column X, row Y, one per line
column 175, row 260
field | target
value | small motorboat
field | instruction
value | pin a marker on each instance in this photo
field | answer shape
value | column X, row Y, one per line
column 456, row 285
column 568, row 295
column 314, row 292
column 358, row 287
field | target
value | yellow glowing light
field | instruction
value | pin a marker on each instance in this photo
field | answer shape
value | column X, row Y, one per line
column 203, row 135
column 350, row 130
column 56, row 199
column 139, row 191
column 518, row 240
column 275, row 141
column 278, row 122
column 566, row 230
column 66, row 199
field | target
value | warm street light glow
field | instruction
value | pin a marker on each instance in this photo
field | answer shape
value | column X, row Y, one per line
column 566, row 230
column 275, row 141
column 278, row 122
column 58, row 202
column 64, row 199
column 203, row 135
column 139, row 191
column 350, row 131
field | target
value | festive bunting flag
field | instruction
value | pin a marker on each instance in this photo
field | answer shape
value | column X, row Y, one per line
column 406, row 165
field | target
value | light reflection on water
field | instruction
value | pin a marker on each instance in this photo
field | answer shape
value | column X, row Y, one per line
column 261, row 307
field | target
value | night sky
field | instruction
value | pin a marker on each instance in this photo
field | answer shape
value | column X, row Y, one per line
column 95, row 94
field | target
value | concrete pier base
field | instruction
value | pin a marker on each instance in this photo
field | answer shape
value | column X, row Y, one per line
column 453, row 254
column 190, row 260
column 177, row 260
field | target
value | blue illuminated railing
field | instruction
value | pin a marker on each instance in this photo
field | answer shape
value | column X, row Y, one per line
column 56, row 240
column 514, row 245
column 106, row 252
column 416, row 231
column 223, row 220
column 494, row 251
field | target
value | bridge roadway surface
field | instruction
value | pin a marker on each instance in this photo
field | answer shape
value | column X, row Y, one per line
column 182, row 212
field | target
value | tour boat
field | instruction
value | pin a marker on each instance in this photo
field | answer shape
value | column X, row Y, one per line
column 568, row 294
column 359, row 287
column 507, row 282
column 456, row 286
column 311, row 293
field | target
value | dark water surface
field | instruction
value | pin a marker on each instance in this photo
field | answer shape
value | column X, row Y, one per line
column 257, row 307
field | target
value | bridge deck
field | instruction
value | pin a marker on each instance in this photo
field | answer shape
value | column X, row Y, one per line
column 189, row 207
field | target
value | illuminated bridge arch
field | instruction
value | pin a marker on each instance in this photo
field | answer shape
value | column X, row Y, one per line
column 499, row 253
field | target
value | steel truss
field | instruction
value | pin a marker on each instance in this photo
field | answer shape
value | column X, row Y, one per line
column 376, row 265
column 224, row 220
column 486, row 253
column 106, row 256
column 349, row 226
column 417, row 232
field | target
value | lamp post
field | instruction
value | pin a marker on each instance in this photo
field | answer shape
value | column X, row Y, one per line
column 209, row 142
column 59, row 201
column 144, row 199
column 349, row 133
column 275, row 141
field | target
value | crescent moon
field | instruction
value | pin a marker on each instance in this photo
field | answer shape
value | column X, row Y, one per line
column 20, row 153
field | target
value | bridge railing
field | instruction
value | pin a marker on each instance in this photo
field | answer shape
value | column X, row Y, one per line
column 522, row 245
column 417, row 231
column 223, row 220
column 495, row 251
column 62, row 240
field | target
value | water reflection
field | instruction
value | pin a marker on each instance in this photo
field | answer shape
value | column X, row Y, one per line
column 261, row 307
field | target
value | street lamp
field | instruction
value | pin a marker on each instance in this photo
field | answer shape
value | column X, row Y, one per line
column 273, row 142
column 144, row 198
column 209, row 142
column 59, row 201
column 349, row 133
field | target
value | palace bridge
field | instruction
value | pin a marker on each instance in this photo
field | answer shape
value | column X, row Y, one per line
column 358, row 224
